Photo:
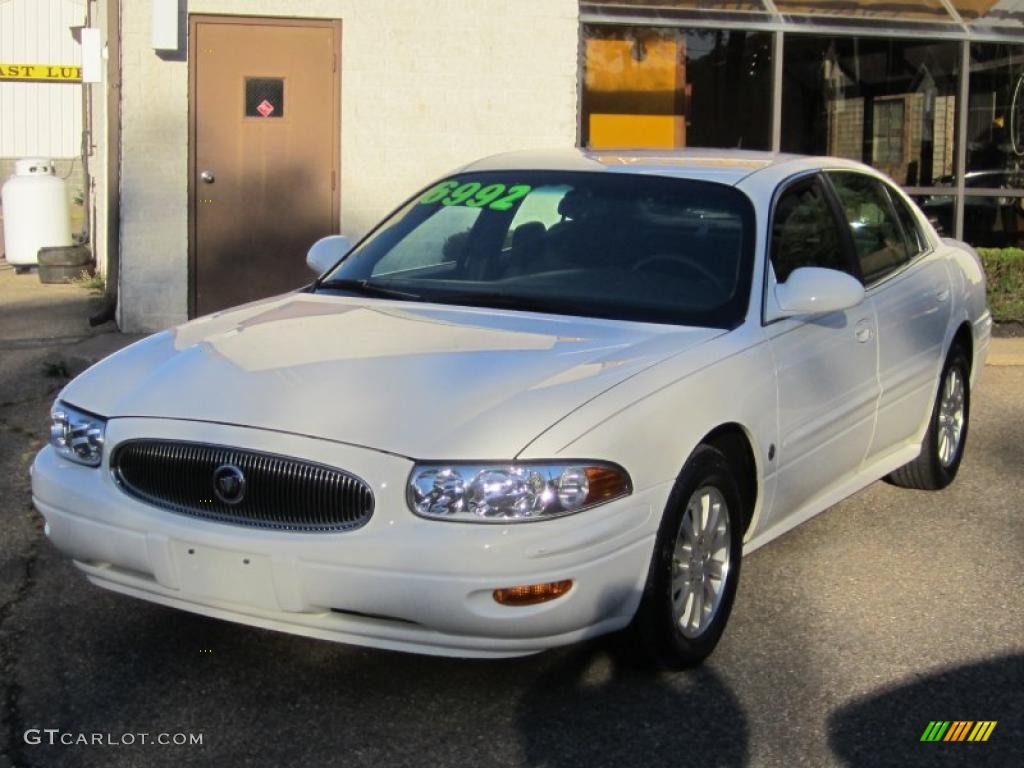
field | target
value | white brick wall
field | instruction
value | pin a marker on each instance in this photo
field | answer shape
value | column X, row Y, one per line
column 426, row 86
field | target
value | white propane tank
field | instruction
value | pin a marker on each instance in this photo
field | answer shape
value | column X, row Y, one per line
column 36, row 212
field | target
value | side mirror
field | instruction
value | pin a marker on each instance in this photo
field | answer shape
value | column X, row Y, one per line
column 326, row 252
column 815, row 291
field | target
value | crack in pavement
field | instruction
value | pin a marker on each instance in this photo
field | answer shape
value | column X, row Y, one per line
column 7, row 345
column 48, row 395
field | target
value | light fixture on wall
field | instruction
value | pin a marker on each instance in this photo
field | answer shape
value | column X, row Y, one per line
column 92, row 52
column 92, row 55
column 164, row 25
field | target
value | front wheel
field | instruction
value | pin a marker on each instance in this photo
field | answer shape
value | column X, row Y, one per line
column 695, row 568
column 943, row 445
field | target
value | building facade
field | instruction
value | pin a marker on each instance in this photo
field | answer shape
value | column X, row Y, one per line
column 235, row 132
column 41, row 108
column 931, row 92
column 419, row 88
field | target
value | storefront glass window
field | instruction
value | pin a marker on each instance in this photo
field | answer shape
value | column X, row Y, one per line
column 995, row 147
column 685, row 5
column 889, row 103
column 994, row 222
column 991, row 15
column 995, row 120
column 927, row 10
column 940, row 210
column 664, row 88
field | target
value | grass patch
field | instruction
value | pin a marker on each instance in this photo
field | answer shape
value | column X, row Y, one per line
column 94, row 283
column 1004, row 270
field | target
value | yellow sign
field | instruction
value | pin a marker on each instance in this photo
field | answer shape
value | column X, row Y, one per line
column 52, row 73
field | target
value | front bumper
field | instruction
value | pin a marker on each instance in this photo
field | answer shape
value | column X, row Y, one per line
column 400, row 582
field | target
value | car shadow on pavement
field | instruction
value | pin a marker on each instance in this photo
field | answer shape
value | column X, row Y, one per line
column 592, row 710
column 265, row 698
column 886, row 729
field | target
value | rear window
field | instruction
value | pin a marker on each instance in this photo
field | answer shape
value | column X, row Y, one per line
column 877, row 234
column 916, row 242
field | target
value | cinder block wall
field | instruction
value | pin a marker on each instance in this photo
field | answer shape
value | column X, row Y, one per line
column 426, row 86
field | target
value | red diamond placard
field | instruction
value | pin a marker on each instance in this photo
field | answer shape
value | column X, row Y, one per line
column 265, row 108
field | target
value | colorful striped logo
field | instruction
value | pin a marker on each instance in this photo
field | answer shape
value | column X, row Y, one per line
column 958, row 730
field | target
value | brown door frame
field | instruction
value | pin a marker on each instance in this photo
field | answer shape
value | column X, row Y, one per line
column 270, row 21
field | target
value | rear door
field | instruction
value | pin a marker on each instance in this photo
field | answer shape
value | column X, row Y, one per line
column 910, row 289
column 826, row 365
column 264, row 154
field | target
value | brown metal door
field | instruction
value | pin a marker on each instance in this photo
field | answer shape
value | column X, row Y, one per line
column 264, row 154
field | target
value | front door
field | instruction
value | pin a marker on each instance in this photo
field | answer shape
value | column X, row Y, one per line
column 826, row 365
column 264, row 154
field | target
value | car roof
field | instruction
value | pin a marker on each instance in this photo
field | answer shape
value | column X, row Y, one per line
column 725, row 166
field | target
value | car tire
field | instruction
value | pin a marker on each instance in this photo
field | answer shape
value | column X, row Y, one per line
column 943, row 447
column 696, row 563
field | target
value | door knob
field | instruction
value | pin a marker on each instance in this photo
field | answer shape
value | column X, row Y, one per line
column 207, row 177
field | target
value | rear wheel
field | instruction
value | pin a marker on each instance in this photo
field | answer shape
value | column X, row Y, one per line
column 696, row 566
column 943, row 445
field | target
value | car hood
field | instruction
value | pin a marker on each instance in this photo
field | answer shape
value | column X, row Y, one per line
column 419, row 380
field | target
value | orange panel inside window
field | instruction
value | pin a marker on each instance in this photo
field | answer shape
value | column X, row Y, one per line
column 637, row 89
column 637, row 131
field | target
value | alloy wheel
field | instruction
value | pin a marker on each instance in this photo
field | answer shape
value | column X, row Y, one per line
column 951, row 416
column 700, row 562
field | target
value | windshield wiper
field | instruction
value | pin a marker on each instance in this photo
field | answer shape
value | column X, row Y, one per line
column 366, row 288
column 551, row 305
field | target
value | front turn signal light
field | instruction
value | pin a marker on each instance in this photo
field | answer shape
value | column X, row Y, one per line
column 532, row 594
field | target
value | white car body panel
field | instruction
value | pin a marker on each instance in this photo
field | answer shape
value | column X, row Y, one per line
column 828, row 404
column 913, row 311
column 827, row 400
column 410, row 379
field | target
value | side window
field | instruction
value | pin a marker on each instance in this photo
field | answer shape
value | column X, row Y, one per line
column 535, row 216
column 804, row 231
column 877, row 235
column 439, row 240
column 541, row 205
column 916, row 242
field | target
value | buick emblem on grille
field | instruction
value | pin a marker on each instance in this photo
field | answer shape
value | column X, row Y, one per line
column 241, row 487
column 229, row 483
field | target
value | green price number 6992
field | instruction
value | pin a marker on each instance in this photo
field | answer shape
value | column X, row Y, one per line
column 472, row 194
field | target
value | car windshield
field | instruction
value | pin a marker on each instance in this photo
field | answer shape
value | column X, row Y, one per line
column 611, row 245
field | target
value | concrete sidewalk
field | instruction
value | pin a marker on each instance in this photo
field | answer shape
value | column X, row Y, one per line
column 33, row 314
column 49, row 325
column 1006, row 351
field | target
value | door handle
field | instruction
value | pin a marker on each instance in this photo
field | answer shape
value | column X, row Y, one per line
column 207, row 177
column 864, row 333
column 942, row 294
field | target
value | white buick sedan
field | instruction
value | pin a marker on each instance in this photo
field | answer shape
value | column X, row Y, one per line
column 554, row 395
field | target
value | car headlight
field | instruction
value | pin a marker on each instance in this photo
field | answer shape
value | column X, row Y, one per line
column 512, row 492
column 76, row 435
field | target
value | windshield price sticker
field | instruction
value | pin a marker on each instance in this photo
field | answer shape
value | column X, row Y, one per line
column 473, row 194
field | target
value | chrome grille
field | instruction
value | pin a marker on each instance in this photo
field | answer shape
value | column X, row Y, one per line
column 279, row 492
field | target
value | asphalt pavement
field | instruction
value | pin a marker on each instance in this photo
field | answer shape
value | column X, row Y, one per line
column 849, row 636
